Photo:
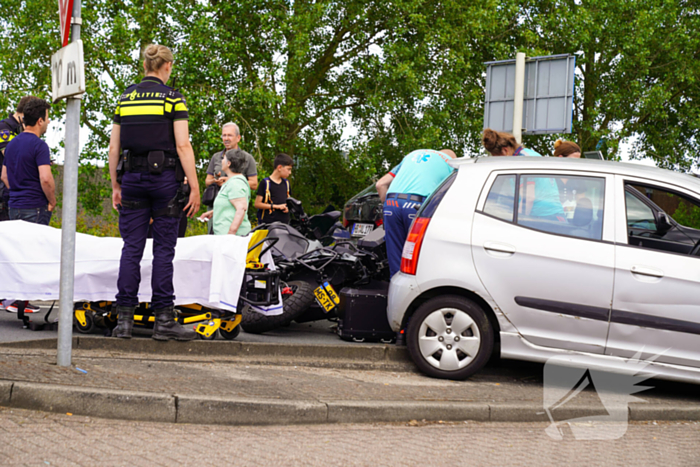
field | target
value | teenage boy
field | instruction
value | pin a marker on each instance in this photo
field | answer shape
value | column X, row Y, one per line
column 273, row 191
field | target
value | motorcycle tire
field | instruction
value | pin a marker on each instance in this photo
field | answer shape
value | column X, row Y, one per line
column 257, row 323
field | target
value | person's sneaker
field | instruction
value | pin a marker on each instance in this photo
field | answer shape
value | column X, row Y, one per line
column 28, row 308
column 2, row 304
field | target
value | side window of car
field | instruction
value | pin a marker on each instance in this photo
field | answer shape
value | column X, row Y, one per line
column 639, row 215
column 501, row 199
column 571, row 205
column 661, row 219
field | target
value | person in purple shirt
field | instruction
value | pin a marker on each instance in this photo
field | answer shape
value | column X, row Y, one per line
column 26, row 171
column 9, row 128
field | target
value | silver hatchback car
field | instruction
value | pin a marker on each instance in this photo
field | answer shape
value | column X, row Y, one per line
column 541, row 257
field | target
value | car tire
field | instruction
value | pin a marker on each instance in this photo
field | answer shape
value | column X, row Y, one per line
column 257, row 323
column 442, row 351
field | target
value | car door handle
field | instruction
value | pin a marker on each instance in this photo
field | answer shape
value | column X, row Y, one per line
column 647, row 271
column 499, row 247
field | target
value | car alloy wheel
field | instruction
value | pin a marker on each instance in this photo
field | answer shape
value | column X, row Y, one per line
column 450, row 337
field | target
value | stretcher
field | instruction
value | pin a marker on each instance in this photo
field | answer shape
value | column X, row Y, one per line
column 214, row 276
column 260, row 289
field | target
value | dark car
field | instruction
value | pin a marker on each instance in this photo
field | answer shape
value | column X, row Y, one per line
column 363, row 213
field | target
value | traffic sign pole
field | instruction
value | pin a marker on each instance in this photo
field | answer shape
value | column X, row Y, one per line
column 69, row 213
column 519, row 97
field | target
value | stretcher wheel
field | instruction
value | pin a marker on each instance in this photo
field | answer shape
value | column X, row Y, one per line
column 229, row 336
column 87, row 325
column 205, row 338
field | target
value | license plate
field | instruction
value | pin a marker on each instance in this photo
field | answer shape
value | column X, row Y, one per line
column 326, row 297
column 360, row 230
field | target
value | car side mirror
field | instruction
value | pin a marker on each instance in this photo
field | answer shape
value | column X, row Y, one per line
column 663, row 223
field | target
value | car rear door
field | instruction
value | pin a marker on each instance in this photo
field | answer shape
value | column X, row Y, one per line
column 656, row 304
column 552, row 278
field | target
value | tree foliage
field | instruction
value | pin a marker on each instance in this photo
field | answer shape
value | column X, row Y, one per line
column 639, row 72
column 348, row 87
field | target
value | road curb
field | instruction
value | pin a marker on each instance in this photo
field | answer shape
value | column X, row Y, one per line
column 101, row 403
column 5, row 392
column 227, row 411
column 400, row 411
column 176, row 408
column 360, row 356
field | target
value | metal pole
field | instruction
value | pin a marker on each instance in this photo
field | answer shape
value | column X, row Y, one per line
column 69, row 211
column 519, row 97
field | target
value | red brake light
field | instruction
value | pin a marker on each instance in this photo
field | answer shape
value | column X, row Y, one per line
column 411, row 249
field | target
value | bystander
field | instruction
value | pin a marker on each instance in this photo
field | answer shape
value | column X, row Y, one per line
column 271, row 200
column 26, row 172
column 9, row 128
column 231, row 136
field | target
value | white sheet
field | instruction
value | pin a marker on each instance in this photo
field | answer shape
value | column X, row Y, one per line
column 208, row 269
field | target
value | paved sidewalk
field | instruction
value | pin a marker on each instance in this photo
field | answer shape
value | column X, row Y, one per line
column 249, row 383
column 39, row 439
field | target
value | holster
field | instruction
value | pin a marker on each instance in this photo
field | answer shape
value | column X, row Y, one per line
column 124, row 164
column 176, row 204
column 180, row 172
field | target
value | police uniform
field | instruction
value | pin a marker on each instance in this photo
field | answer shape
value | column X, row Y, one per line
column 151, row 175
column 9, row 128
column 415, row 178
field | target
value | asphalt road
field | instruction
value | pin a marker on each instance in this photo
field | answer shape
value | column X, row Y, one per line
column 37, row 438
column 317, row 332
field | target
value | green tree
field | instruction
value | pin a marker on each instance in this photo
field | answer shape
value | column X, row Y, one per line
column 638, row 72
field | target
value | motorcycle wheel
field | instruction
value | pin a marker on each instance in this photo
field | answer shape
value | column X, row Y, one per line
column 257, row 323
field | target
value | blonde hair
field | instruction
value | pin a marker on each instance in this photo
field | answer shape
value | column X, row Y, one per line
column 565, row 148
column 155, row 56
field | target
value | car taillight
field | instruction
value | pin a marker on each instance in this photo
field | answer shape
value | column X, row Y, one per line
column 411, row 249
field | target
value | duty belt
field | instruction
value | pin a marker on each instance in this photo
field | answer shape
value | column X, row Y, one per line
column 139, row 163
column 416, row 198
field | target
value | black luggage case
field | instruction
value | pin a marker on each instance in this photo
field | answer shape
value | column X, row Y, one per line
column 362, row 313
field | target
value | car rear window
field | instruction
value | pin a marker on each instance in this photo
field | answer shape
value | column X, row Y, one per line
column 431, row 204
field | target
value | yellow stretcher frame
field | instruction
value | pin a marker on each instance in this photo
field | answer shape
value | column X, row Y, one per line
column 208, row 323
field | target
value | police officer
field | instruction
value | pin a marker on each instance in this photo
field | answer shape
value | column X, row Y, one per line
column 9, row 128
column 150, row 152
column 403, row 191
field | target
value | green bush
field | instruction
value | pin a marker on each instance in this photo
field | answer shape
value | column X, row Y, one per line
column 687, row 215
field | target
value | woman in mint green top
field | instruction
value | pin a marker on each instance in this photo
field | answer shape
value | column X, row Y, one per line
column 230, row 205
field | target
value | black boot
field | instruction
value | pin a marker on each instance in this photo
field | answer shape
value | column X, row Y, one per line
column 125, row 322
column 167, row 328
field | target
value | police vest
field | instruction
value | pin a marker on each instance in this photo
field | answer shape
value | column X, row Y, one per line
column 146, row 112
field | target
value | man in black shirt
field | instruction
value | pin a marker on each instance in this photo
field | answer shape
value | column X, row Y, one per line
column 273, row 191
